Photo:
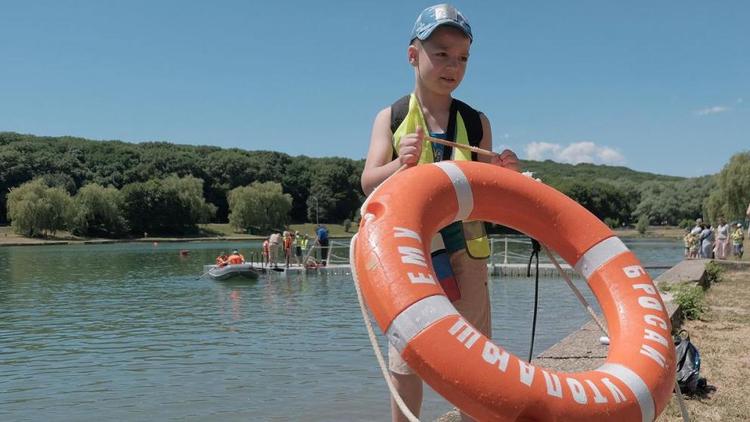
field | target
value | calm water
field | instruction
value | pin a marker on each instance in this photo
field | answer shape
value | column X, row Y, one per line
column 128, row 332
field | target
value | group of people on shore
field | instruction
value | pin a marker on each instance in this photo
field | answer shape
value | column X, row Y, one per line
column 714, row 242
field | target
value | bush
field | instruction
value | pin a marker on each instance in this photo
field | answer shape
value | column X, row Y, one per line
column 686, row 223
column 613, row 223
column 347, row 225
column 642, row 224
column 713, row 273
column 690, row 298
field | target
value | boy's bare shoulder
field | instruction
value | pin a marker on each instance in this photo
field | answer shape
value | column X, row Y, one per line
column 483, row 118
column 383, row 117
column 386, row 112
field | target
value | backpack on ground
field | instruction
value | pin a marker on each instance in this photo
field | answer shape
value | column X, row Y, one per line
column 688, row 363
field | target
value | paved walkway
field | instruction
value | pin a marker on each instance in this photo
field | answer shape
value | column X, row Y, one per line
column 582, row 350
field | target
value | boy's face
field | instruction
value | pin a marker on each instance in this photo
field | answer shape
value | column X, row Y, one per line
column 441, row 60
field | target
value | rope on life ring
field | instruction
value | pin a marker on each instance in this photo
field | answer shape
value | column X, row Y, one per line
column 391, row 261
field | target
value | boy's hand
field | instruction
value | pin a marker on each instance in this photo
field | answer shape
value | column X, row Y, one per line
column 507, row 159
column 410, row 148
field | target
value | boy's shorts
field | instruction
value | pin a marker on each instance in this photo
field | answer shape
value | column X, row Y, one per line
column 474, row 305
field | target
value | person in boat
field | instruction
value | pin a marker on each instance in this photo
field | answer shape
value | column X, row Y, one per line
column 438, row 52
column 235, row 258
column 222, row 259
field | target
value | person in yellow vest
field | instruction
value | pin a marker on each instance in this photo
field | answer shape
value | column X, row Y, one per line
column 297, row 248
column 737, row 238
column 438, row 53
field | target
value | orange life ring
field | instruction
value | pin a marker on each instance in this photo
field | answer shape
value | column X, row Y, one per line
column 391, row 262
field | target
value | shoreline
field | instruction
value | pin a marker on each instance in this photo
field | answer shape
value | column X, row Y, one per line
column 8, row 238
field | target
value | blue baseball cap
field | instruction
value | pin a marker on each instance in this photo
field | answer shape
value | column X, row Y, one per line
column 438, row 15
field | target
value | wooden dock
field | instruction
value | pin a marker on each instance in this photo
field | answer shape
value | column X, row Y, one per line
column 502, row 270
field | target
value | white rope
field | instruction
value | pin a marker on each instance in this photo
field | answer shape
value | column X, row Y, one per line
column 374, row 342
column 681, row 402
column 677, row 392
column 575, row 290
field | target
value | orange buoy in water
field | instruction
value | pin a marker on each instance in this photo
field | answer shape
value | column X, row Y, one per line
column 391, row 262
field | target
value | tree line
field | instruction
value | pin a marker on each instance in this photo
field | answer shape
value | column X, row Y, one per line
column 113, row 188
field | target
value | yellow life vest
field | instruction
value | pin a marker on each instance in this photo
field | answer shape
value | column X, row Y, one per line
column 475, row 236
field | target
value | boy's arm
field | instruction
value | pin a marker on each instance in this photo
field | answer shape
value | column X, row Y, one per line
column 379, row 164
column 507, row 158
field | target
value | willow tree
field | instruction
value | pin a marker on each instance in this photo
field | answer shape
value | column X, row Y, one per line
column 99, row 211
column 264, row 206
column 36, row 209
column 732, row 195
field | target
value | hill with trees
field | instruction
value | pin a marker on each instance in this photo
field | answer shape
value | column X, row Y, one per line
column 117, row 188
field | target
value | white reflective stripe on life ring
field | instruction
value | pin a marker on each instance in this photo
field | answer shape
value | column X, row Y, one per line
column 463, row 189
column 599, row 254
column 636, row 384
column 414, row 319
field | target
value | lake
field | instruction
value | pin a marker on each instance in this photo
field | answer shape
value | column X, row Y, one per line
column 129, row 332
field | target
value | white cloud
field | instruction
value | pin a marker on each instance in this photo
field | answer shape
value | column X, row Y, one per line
column 577, row 152
column 712, row 110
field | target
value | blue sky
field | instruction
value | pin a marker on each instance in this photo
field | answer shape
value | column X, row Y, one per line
column 655, row 86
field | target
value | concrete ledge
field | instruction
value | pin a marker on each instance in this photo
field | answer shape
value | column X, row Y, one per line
column 687, row 271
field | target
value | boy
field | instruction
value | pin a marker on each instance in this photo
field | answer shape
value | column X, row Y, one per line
column 737, row 238
column 438, row 52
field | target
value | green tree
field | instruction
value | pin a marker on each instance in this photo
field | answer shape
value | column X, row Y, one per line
column 732, row 194
column 671, row 202
column 604, row 200
column 174, row 205
column 36, row 209
column 261, row 205
column 99, row 211
column 335, row 182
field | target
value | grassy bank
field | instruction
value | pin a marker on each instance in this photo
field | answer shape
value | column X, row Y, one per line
column 667, row 232
column 721, row 336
